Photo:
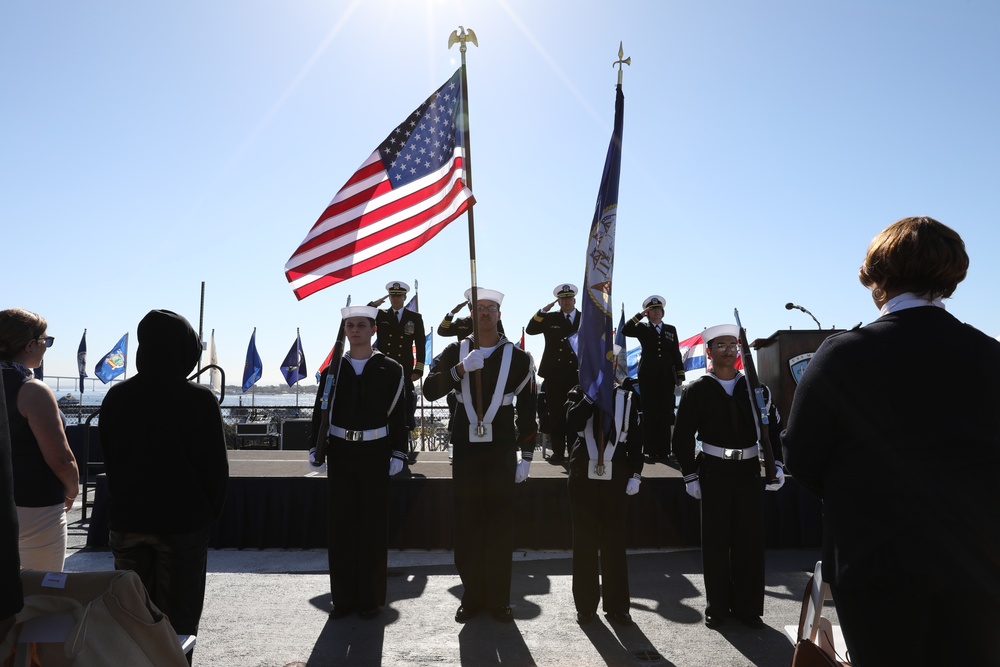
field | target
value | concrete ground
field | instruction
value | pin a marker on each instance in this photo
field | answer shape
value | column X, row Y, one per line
column 269, row 608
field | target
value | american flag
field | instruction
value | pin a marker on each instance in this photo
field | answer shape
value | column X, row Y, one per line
column 407, row 190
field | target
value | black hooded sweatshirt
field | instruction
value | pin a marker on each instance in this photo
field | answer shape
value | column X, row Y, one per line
column 162, row 436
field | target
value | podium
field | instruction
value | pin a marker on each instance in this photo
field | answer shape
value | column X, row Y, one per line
column 783, row 357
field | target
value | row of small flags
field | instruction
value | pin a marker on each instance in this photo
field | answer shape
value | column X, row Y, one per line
column 293, row 368
column 111, row 364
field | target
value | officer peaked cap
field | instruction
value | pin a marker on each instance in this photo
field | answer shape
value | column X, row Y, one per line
column 564, row 290
column 397, row 287
column 655, row 301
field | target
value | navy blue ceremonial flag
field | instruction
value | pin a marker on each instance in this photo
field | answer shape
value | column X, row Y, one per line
column 81, row 359
column 294, row 365
column 113, row 363
column 595, row 341
column 253, row 368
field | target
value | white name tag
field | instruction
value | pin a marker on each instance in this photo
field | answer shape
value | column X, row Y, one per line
column 605, row 472
column 480, row 432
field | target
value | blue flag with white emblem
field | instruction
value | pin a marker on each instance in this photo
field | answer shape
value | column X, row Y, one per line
column 595, row 341
column 294, row 365
column 113, row 363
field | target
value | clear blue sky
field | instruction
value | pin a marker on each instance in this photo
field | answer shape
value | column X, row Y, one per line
column 147, row 147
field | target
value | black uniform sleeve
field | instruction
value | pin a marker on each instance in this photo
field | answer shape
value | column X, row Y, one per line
column 524, row 409
column 685, row 428
column 397, row 416
column 441, row 379
column 536, row 324
column 420, row 342
column 678, row 360
column 633, row 328
column 633, row 443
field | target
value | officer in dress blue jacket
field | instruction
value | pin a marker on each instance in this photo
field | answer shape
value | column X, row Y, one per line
column 559, row 365
column 661, row 369
column 400, row 331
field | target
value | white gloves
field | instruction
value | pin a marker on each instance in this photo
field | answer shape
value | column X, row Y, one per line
column 313, row 466
column 693, row 489
column 780, row 483
column 632, row 487
column 473, row 361
column 521, row 473
column 395, row 465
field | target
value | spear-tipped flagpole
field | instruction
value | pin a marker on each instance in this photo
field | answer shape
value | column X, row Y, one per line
column 462, row 37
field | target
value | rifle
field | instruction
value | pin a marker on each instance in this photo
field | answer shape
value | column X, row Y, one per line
column 757, row 401
column 330, row 390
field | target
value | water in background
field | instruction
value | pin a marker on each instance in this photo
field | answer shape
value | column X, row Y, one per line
column 232, row 399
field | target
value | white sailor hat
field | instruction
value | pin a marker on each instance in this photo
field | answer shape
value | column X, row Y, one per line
column 712, row 333
column 655, row 301
column 483, row 294
column 564, row 290
column 359, row 311
column 397, row 287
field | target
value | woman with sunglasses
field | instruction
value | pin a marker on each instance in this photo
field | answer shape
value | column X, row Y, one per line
column 46, row 478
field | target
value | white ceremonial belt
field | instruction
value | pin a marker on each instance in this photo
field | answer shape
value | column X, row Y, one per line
column 730, row 454
column 355, row 436
column 508, row 399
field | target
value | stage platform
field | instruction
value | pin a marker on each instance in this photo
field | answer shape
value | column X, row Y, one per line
column 274, row 501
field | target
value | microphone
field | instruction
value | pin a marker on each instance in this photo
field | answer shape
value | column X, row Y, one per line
column 790, row 305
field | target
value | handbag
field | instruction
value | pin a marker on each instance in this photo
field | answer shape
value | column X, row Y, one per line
column 113, row 622
column 808, row 654
column 814, row 643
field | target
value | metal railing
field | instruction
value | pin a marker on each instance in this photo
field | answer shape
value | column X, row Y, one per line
column 431, row 433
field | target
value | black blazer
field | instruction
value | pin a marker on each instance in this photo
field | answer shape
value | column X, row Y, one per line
column 558, row 359
column 661, row 352
column 396, row 339
column 896, row 426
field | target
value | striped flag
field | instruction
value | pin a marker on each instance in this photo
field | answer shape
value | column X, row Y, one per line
column 696, row 361
column 408, row 189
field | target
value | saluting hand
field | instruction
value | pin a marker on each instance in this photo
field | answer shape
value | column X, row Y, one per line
column 380, row 301
column 547, row 308
column 454, row 311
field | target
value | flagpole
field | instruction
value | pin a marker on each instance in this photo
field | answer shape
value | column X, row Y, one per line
column 598, row 277
column 461, row 37
column 201, row 323
column 298, row 343
column 416, row 304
